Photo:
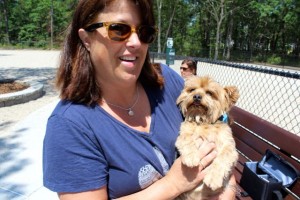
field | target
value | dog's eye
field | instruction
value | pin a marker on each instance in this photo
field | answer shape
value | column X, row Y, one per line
column 191, row 89
column 212, row 94
column 209, row 93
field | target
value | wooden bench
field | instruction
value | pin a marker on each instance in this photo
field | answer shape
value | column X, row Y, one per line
column 254, row 135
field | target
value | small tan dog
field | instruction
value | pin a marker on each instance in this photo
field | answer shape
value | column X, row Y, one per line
column 204, row 104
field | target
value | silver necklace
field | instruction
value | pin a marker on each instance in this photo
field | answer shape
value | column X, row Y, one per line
column 129, row 110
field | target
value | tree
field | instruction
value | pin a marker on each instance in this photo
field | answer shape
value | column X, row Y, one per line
column 218, row 10
column 169, row 7
column 29, row 21
column 159, row 6
column 5, row 13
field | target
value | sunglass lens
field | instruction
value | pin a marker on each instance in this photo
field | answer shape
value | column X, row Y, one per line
column 183, row 68
column 147, row 34
column 119, row 32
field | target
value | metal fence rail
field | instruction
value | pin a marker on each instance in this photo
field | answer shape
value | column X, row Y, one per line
column 269, row 93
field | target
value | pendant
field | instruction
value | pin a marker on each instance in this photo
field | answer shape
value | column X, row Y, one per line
column 130, row 112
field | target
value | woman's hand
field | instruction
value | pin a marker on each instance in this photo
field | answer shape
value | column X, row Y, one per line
column 182, row 178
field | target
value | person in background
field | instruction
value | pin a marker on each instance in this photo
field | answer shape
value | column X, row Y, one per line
column 188, row 68
column 113, row 133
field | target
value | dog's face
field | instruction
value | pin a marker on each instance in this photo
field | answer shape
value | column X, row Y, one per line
column 204, row 100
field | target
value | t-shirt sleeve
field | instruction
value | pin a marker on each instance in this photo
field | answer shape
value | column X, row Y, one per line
column 72, row 157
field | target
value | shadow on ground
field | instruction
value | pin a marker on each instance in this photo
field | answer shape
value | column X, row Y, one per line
column 12, row 162
column 4, row 125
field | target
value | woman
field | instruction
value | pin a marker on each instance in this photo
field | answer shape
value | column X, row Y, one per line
column 188, row 68
column 112, row 135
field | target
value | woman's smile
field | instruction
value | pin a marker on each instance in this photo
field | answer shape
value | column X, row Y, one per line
column 129, row 61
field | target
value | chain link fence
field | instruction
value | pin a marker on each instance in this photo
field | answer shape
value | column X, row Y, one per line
column 270, row 93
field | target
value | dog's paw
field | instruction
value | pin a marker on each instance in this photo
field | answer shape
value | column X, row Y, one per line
column 191, row 160
column 212, row 181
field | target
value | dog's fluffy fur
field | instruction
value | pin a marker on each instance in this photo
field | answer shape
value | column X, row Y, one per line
column 202, row 102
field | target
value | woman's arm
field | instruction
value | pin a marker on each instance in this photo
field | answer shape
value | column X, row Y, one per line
column 231, row 190
column 100, row 194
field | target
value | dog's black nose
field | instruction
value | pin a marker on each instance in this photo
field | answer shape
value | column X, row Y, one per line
column 197, row 98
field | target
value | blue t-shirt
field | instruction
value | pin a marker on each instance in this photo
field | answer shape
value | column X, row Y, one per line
column 85, row 148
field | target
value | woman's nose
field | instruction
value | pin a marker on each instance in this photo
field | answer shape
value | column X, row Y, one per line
column 134, row 40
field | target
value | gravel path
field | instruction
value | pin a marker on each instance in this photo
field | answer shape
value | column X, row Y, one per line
column 27, row 65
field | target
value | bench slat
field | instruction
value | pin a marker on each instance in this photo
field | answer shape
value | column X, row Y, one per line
column 247, row 143
column 287, row 141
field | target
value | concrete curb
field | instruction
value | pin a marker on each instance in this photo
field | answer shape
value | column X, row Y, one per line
column 34, row 91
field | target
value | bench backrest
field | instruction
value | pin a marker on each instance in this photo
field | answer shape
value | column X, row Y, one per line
column 254, row 136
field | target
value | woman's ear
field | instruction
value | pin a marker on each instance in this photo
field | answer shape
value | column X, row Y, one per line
column 84, row 36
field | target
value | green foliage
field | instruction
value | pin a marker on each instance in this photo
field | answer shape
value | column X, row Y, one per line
column 29, row 21
column 276, row 60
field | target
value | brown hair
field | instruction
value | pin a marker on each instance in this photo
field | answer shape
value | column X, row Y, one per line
column 75, row 76
column 191, row 64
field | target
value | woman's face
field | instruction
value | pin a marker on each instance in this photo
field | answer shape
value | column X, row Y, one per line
column 186, row 71
column 117, row 62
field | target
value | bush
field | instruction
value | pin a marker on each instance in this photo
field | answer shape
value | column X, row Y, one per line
column 275, row 60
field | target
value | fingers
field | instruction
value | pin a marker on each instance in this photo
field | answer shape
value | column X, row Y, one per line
column 203, row 167
column 185, row 178
column 207, row 154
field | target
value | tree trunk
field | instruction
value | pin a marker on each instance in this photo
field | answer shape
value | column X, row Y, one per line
column 217, row 41
column 5, row 14
column 159, row 6
column 51, row 24
column 219, row 18
column 283, row 42
column 205, row 35
column 229, row 41
column 250, row 47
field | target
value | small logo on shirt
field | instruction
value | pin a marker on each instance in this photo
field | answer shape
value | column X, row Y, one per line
column 148, row 174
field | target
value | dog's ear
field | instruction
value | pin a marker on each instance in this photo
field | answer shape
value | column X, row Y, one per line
column 233, row 94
